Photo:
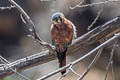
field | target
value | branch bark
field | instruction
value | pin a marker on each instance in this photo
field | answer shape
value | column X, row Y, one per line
column 31, row 27
column 104, row 31
column 101, row 32
column 81, row 58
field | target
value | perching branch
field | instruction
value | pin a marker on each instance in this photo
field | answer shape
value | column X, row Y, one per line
column 81, row 58
column 101, row 32
column 88, row 68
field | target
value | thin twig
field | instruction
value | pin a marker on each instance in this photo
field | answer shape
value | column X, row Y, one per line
column 59, row 78
column 93, row 36
column 97, row 17
column 5, row 62
column 93, row 4
column 80, row 59
column 28, row 19
column 74, row 71
column 77, row 4
column 110, row 60
column 112, row 71
column 2, row 58
column 35, row 35
column 91, row 64
column 31, row 26
column 8, row 7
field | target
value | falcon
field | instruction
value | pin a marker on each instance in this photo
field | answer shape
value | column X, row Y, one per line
column 63, row 32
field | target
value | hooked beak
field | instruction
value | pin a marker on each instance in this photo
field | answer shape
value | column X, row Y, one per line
column 56, row 21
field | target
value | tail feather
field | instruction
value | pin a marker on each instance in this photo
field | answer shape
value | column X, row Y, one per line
column 62, row 60
column 62, row 64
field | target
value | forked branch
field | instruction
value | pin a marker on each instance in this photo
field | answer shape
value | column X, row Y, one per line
column 104, row 31
column 101, row 32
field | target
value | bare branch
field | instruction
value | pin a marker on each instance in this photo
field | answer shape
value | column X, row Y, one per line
column 3, row 60
column 74, row 72
column 97, row 17
column 8, row 7
column 77, row 4
column 91, row 64
column 29, row 21
column 80, row 59
column 31, row 26
column 110, row 60
column 104, row 31
column 93, row 4
column 112, row 71
column 27, row 62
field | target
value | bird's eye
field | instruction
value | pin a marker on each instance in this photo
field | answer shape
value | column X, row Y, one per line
column 53, row 19
column 56, row 19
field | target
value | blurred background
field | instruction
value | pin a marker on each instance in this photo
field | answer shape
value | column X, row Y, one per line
column 14, row 43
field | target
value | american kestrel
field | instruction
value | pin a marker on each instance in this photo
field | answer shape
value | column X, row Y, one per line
column 63, row 32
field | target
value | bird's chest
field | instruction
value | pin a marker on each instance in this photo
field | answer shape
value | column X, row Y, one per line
column 62, row 32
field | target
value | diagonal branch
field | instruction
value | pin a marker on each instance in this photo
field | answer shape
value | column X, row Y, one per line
column 91, row 64
column 31, row 26
column 25, row 63
column 4, row 61
column 93, row 4
column 97, row 17
column 110, row 60
column 104, row 31
column 81, row 58
column 8, row 7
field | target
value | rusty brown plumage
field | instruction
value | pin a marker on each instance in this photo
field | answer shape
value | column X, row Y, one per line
column 62, row 33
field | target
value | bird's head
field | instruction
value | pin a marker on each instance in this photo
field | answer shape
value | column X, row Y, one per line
column 57, row 18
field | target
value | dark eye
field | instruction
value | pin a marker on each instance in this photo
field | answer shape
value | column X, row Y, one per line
column 53, row 19
column 56, row 19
